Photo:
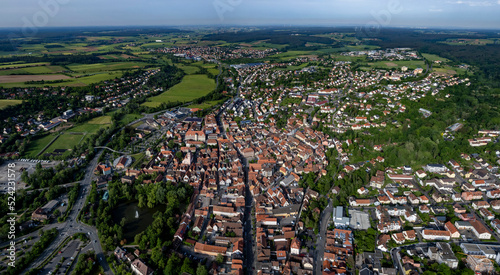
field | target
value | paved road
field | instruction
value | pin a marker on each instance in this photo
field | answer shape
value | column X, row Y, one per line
column 321, row 240
column 72, row 226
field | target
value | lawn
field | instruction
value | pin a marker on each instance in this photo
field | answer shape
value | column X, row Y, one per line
column 37, row 145
column 92, row 125
column 70, row 137
column 191, row 87
column 188, row 69
column 126, row 119
column 9, row 102
column 65, row 141
column 205, row 105
column 138, row 160
column 100, row 120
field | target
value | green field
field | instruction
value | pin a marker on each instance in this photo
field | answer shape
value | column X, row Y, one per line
column 126, row 119
column 411, row 64
column 188, row 69
column 28, row 70
column 111, row 66
column 70, row 137
column 77, row 81
column 8, row 66
column 292, row 54
column 37, row 145
column 206, row 104
column 9, row 102
column 91, row 126
column 191, row 87
column 65, row 141
column 433, row 57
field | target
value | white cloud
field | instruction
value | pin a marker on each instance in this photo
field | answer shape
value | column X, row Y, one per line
column 475, row 3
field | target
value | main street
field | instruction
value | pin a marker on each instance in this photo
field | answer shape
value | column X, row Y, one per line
column 320, row 241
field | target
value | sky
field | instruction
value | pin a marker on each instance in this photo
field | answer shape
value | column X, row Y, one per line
column 382, row 13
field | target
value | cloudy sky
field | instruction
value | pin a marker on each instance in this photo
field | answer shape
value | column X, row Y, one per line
column 394, row 13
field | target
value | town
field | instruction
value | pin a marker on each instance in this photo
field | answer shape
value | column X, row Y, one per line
column 314, row 164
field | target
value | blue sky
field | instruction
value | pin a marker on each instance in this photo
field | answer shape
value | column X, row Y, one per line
column 386, row 13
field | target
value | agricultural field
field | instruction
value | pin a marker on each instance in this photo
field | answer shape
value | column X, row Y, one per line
column 292, row 54
column 191, row 87
column 9, row 102
column 100, row 67
column 433, row 57
column 188, row 69
column 67, row 81
column 449, row 70
column 23, row 78
column 476, row 42
column 14, row 65
column 411, row 64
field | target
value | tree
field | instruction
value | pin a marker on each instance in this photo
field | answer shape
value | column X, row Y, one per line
column 186, row 266
column 219, row 259
column 201, row 270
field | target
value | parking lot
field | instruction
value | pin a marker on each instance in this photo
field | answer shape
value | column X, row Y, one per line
column 19, row 167
column 359, row 220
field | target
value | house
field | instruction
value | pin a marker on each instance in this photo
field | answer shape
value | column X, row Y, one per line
column 398, row 238
column 295, row 247
column 443, row 253
column 211, row 250
column 452, row 229
column 436, row 235
column 436, row 168
column 140, row 268
column 480, row 205
column 480, row 230
column 480, row 264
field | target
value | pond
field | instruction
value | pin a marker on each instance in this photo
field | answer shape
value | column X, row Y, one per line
column 136, row 219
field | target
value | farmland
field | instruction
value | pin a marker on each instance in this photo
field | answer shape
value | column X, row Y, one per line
column 433, row 57
column 191, row 87
column 100, row 67
column 23, row 78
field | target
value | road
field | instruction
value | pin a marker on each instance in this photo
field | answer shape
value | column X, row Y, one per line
column 250, row 246
column 321, row 240
column 72, row 226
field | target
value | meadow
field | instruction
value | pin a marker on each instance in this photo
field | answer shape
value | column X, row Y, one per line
column 71, row 137
column 191, row 87
column 9, row 102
